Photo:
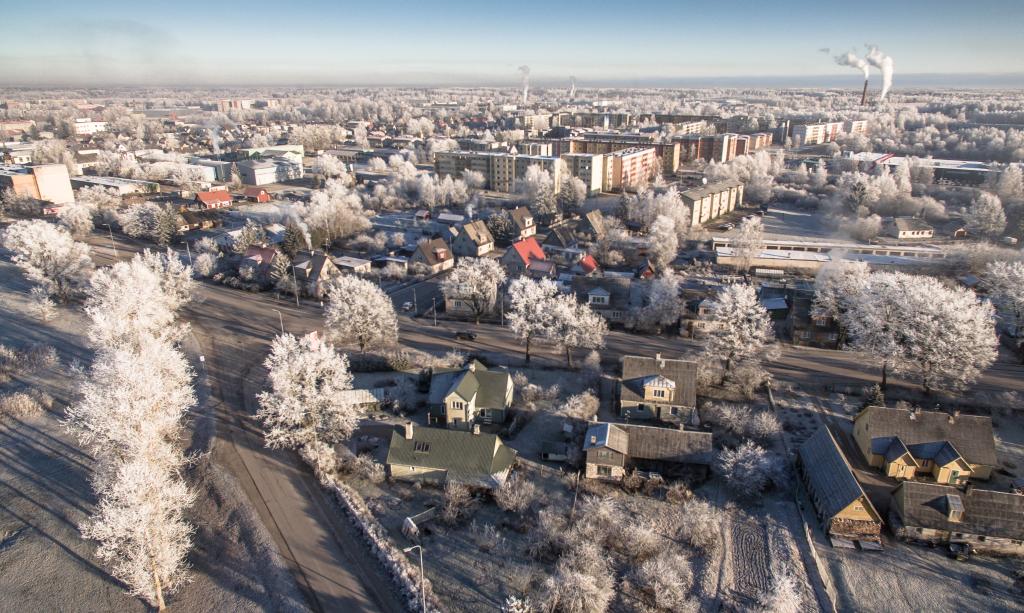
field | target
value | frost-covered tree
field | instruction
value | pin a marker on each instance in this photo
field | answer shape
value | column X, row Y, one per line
column 749, row 242
column 664, row 243
column 665, row 581
column 741, row 327
column 985, row 216
column 530, row 315
column 359, row 312
column 537, row 188
column 142, row 530
column 137, row 298
column 49, row 256
column 76, row 218
column 329, row 166
column 572, row 194
column 251, row 234
column 663, row 306
column 913, row 322
column 749, row 469
column 582, row 582
column 475, row 282
column 501, row 225
column 336, row 211
column 1005, row 284
column 838, row 282
column 574, row 325
column 305, row 407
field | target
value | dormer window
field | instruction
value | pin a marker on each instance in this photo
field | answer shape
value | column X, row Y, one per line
column 658, row 393
column 594, row 299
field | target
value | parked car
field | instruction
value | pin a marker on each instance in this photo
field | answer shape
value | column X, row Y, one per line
column 727, row 226
column 465, row 336
column 407, row 306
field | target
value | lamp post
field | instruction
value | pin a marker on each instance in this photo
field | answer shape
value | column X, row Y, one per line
column 423, row 594
column 281, row 318
column 112, row 245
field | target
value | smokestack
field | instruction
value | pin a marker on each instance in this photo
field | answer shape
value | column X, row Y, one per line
column 884, row 63
column 572, row 88
column 525, row 72
column 864, row 94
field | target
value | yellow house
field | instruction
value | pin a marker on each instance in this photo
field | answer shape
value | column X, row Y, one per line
column 844, row 509
column 907, row 444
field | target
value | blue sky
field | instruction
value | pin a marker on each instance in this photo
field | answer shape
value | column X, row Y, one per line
column 455, row 42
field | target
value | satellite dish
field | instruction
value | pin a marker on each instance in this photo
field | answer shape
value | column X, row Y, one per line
column 703, row 180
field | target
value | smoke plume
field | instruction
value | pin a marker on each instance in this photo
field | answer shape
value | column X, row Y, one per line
column 572, row 87
column 851, row 59
column 883, row 63
column 524, row 71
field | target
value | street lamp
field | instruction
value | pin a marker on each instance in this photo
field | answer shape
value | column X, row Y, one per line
column 423, row 595
column 280, row 317
column 112, row 245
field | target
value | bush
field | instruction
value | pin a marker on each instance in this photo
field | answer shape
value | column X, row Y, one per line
column 638, row 542
column 678, row 493
column 582, row 582
column 782, row 597
column 591, row 368
column 516, row 494
column 700, row 524
column 458, row 502
column 580, row 406
column 665, row 581
column 399, row 360
column 366, row 467
column 550, row 536
column 19, row 404
column 749, row 469
column 764, row 426
column 486, row 537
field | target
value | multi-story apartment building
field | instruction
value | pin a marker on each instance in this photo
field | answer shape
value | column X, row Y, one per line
column 587, row 167
column 611, row 142
column 712, row 201
column 816, row 133
column 85, row 127
column 856, row 126
column 631, row 168
column 500, row 170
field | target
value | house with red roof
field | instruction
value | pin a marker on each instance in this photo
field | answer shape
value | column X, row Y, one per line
column 526, row 255
column 214, row 199
column 256, row 194
column 586, row 267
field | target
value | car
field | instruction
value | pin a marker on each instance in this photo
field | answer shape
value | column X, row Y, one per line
column 465, row 336
column 407, row 306
column 727, row 226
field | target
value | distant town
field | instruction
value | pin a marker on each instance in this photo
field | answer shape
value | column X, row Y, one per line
column 523, row 349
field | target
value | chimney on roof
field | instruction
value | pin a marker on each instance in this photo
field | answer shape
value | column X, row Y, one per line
column 476, row 429
column 408, row 430
column 951, row 419
column 661, row 362
column 913, row 415
column 593, row 439
column 472, row 366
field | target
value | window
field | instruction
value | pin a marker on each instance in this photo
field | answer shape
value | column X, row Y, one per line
column 598, row 299
column 604, row 471
column 658, row 393
column 421, row 447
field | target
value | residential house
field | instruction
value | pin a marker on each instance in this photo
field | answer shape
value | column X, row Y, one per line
column 259, row 259
column 313, row 271
column 256, row 194
column 658, row 388
column 586, row 267
column 352, row 265
column 909, row 444
column 907, row 228
column 844, row 509
column 591, row 226
column 434, row 254
column 614, row 298
column 199, row 220
column 213, row 199
column 560, row 237
column 612, row 450
column 525, row 256
column 460, row 398
column 803, row 326
column 441, row 456
column 524, row 222
column 987, row 520
column 474, row 240
column 698, row 318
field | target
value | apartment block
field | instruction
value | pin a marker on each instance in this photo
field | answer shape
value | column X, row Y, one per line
column 500, row 170
column 587, row 167
column 631, row 168
column 816, row 133
column 712, row 201
column 84, row 126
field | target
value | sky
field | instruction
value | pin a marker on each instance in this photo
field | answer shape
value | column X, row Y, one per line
column 454, row 42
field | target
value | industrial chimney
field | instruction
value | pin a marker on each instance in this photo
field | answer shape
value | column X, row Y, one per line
column 864, row 94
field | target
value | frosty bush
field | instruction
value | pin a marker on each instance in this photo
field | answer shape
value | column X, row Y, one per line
column 19, row 404
column 549, row 536
column 41, row 305
column 782, row 597
column 366, row 467
column 700, row 524
column 665, row 581
column 749, row 469
column 678, row 493
column 458, row 502
column 516, row 494
column 205, row 265
column 580, row 406
column 582, row 582
column 486, row 537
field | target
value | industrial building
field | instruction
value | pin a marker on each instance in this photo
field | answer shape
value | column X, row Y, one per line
column 49, row 182
column 123, row 187
column 265, row 172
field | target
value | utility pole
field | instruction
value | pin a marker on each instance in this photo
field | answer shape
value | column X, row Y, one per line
column 189, row 252
column 112, row 245
column 281, row 318
column 433, row 307
column 415, row 304
column 295, row 280
column 423, row 594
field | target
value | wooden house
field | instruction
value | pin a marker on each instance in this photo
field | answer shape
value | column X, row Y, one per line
column 614, row 449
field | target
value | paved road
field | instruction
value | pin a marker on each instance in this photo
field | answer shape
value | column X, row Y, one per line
column 333, row 567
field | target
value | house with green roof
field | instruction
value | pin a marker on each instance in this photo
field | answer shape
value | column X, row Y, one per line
column 460, row 398
column 438, row 455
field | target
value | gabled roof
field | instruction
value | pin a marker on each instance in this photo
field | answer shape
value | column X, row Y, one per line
column 587, row 264
column 260, row 255
column 560, row 236
column 829, row 474
column 487, row 385
column 435, row 251
column 651, row 443
column 985, row 512
column 213, row 198
column 253, row 192
column 592, row 222
column 618, row 289
column 520, row 216
column 464, row 455
column 637, row 369
column 528, row 249
column 971, row 435
column 309, row 267
column 911, row 224
column 477, row 232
